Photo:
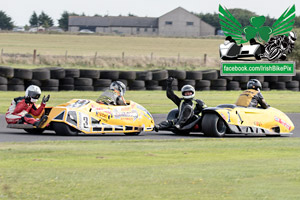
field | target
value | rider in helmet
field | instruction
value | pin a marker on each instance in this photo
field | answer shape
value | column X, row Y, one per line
column 22, row 108
column 185, row 107
column 252, row 96
column 114, row 95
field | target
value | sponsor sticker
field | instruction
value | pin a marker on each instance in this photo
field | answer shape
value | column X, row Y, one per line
column 281, row 121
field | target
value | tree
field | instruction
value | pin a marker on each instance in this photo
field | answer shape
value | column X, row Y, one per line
column 5, row 21
column 242, row 15
column 64, row 20
column 45, row 20
column 34, row 20
column 131, row 15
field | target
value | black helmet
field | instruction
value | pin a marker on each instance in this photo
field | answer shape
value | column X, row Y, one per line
column 118, row 85
column 254, row 84
column 188, row 88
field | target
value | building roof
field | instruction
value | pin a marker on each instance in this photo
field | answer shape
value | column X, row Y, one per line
column 110, row 21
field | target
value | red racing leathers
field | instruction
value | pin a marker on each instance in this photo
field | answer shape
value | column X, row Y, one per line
column 20, row 111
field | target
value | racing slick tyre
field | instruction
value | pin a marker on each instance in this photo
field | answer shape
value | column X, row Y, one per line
column 35, row 130
column 213, row 125
column 64, row 129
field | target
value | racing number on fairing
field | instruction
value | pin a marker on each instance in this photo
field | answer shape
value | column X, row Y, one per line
column 85, row 122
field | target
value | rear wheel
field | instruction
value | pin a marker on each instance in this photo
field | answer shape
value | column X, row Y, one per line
column 64, row 129
column 35, row 130
column 213, row 125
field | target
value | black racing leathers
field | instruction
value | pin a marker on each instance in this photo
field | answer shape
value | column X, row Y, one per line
column 186, row 111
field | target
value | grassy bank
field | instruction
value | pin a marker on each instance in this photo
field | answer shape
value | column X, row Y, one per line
column 108, row 52
column 157, row 102
column 165, row 169
column 87, row 45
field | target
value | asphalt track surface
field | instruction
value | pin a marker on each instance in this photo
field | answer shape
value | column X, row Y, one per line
column 19, row 135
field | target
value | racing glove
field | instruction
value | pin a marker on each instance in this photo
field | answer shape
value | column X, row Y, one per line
column 46, row 99
column 169, row 81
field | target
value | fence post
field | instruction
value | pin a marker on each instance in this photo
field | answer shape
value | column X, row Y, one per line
column 123, row 56
column 66, row 56
column 151, row 57
column 205, row 58
column 95, row 58
column 2, row 55
column 34, row 56
column 178, row 58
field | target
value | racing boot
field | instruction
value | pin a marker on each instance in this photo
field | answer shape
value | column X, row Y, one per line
column 165, row 125
column 39, row 123
column 186, row 113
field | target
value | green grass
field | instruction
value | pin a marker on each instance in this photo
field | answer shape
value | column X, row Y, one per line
column 87, row 45
column 204, row 168
column 157, row 102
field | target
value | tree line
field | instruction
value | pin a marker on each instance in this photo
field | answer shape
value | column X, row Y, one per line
column 44, row 20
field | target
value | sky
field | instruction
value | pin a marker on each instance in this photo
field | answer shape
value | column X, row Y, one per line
column 21, row 10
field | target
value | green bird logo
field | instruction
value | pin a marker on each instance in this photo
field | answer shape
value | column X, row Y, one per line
column 231, row 26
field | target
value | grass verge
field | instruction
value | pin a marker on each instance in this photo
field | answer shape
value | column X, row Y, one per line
column 157, row 102
column 166, row 169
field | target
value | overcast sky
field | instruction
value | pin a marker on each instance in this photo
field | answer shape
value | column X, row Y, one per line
column 21, row 10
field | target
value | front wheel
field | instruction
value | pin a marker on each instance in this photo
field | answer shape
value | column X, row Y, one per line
column 64, row 129
column 213, row 125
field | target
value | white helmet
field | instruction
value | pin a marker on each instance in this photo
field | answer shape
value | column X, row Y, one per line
column 34, row 92
column 188, row 88
column 292, row 37
column 118, row 85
